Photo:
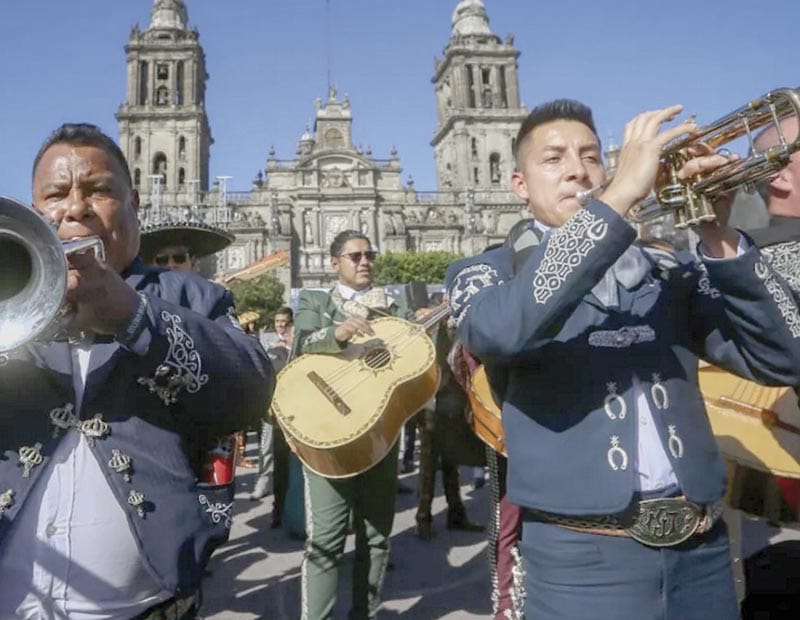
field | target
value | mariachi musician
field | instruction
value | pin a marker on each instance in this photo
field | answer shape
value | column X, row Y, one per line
column 324, row 323
column 610, row 451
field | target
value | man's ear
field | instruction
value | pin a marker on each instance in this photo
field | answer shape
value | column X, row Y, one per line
column 135, row 199
column 782, row 182
column 518, row 185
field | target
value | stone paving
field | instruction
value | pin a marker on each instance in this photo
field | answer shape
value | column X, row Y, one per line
column 257, row 573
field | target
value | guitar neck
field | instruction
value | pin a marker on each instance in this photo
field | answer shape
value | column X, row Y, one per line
column 435, row 316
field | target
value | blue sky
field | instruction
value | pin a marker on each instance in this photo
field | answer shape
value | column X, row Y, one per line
column 64, row 61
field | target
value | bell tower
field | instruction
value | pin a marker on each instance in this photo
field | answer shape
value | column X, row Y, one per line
column 163, row 124
column 478, row 104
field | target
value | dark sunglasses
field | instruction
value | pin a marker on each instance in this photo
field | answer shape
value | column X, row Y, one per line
column 162, row 260
column 356, row 257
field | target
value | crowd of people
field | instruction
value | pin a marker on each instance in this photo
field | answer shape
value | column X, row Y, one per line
column 609, row 500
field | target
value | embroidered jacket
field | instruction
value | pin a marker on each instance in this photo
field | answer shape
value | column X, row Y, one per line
column 319, row 312
column 569, row 410
column 201, row 376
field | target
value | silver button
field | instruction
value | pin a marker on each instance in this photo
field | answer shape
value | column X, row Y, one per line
column 50, row 530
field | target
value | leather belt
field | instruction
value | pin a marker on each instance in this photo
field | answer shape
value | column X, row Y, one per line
column 661, row 522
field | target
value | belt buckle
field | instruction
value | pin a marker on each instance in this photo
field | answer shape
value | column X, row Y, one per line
column 665, row 522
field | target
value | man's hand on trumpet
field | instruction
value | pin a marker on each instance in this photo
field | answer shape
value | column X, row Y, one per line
column 102, row 300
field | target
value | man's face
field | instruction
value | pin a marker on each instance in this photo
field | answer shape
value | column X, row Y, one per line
column 354, row 267
column 787, row 180
column 282, row 322
column 85, row 192
column 176, row 258
column 556, row 161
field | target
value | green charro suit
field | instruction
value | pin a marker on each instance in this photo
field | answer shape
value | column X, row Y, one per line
column 330, row 503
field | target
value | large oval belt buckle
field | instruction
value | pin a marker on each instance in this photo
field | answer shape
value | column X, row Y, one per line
column 665, row 522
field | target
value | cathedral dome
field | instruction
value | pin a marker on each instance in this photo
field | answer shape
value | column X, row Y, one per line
column 169, row 14
column 470, row 18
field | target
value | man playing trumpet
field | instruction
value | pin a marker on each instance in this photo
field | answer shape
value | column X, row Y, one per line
column 610, row 451
column 101, row 512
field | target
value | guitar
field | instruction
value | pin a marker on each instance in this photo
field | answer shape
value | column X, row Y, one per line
column 487, row 422
column 755, row 425
column 342, row 413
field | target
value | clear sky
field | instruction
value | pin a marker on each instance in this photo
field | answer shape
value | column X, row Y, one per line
column 63, row 60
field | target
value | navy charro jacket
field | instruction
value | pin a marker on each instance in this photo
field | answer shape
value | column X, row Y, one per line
column 571, row 360
column 201, row 376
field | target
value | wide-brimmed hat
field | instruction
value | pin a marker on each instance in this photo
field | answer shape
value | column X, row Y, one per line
column 201, row 239
column 251, row 316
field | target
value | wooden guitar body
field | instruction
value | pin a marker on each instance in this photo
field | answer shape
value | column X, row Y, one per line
column 487, row 422
column 342, row 413
column 755, row 425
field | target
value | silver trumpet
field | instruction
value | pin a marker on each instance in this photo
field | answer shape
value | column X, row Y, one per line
column 33, row 275
column 690, row 200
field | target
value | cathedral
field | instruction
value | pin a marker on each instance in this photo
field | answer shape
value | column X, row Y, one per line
column 299, row 203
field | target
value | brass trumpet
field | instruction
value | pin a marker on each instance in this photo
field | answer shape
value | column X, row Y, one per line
column 690, row 200
column 33, row 275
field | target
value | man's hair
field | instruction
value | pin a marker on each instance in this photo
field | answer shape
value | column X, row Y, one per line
column 558, row 110
column 286, row 311
column 84, row 134
column 345, row 236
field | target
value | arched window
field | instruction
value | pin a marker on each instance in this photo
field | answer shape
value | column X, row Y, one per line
column 474, row 147
column 182, row 148
column 160, row 167
column 494, row 168
column 137, row 147
column 179, row 84
column 162, row 95
column 181, row 177
column 143, row 83
column 137, row 178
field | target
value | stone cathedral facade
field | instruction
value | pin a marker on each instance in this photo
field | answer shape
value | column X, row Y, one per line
column 299, row 202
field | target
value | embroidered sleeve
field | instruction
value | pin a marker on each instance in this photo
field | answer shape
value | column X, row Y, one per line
column 566, row 249
column 466, row 284
column 182, row 368
column 784, row 301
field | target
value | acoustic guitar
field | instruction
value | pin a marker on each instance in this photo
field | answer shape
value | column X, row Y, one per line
column 755, row 425
column 487, row 422
column 342, row 413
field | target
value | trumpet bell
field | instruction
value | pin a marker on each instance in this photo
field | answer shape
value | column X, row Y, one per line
column 33, row 268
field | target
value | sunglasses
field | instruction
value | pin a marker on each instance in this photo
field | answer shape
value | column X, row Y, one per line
column 162, row 260
column 356, row 257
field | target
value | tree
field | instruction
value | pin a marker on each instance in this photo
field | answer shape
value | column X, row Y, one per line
column 263, row 295
column 402, row 267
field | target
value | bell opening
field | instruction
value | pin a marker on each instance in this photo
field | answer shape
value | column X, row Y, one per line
column 16, row 268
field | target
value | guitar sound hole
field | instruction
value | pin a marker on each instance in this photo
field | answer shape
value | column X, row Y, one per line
column 377, row 358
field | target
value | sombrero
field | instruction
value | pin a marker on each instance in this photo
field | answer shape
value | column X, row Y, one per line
column 251, row 316
column 201, row 239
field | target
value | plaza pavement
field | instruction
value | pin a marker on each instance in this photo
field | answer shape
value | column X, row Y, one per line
column 257, row 573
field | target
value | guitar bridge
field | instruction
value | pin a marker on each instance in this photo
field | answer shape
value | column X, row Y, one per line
column 329, row 393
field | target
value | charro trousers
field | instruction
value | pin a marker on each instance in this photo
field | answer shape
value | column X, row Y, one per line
column 370, row 497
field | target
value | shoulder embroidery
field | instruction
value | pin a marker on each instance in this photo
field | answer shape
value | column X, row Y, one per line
column 566, row 249
column 466, row 284
column 785, row 259
column 786, row 305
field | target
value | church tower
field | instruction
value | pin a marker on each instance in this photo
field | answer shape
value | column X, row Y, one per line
column 478, row 104
column 163, row 124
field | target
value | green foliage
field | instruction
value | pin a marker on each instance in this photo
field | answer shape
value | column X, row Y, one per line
column 263, row 295
column 402, row 267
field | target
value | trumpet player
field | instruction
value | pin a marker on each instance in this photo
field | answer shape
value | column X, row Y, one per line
column 101, row 514
column 610, row 452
